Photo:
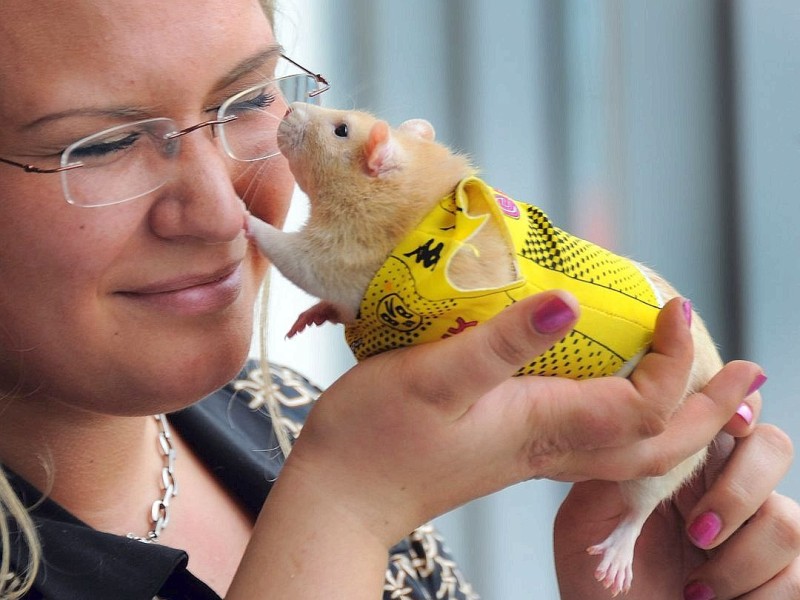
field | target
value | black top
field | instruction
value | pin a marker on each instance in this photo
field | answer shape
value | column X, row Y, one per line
column 239, row 446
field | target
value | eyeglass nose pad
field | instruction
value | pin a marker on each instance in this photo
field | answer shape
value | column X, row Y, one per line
column 171, row 147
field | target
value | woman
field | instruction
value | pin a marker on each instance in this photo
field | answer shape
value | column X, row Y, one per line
column 128, row 292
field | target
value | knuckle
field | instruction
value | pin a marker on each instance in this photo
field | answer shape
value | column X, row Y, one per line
column 424, row 383
column 546, row 456
column 785, row 514
column 738, row 498
column 653, row 423
column 657, row 465
column 594, row 429
column 507, row 348
column 656, row 405
column 431, row 392
column 658, row 469
column 792, row 578
column 777, row 439
column 727, row 579
column 539, row 457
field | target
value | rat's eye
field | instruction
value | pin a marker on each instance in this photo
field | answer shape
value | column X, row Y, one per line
column 341, row 130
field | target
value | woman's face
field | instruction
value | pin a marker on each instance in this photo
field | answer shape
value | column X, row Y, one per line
column 143, row 306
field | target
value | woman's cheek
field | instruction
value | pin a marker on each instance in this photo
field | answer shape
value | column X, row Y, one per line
column 266, row 189
column 259, row 266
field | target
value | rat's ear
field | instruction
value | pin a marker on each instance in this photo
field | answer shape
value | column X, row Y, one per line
column 419, row 127
column 381, row 151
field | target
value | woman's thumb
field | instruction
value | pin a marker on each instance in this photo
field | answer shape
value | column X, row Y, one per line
column 470, row 364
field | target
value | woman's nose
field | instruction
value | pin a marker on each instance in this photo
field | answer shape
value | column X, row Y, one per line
column 200, row 200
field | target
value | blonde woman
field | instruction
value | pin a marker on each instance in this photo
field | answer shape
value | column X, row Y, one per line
column 133, row 137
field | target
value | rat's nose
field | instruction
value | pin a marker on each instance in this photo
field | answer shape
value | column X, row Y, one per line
column 289, row 111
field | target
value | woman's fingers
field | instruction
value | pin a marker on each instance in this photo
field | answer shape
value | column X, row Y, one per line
column 743, row 493
column 459, row 397
column 613, row 411
column 736, row 567
column 672, row 353
column 747, row 413
column 753, row 470
column 784, row 585
column 454, row 373
column 555, row 419
column 702, row 415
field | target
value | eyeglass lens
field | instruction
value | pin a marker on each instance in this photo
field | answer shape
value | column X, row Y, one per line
column 259, row 111
column 130, row 161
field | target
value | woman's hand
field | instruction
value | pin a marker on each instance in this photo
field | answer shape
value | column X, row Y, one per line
column 410, row 434
column 742, row 539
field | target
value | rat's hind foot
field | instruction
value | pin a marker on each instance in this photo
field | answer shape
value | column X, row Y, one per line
column 316, row 315
column 615, row 571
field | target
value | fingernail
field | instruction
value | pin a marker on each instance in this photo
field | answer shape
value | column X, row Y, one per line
column 745, row 412
column 705, row 528
column 757, row 383
column 698, row 591
column 687, row 311
column 552, row 315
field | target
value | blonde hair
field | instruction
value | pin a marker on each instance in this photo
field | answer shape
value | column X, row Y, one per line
column 270, row 401
column 15, row 584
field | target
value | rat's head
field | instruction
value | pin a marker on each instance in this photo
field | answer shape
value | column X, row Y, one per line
column 327, row 145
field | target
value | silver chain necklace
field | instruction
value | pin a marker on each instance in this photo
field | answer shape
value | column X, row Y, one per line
column 159, row 513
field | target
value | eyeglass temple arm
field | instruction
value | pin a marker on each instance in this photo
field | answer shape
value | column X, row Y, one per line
column 319, row 78
column 32, row 169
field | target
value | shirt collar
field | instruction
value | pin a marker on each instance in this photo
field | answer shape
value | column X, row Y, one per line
column 236, row 442
column 82, row 562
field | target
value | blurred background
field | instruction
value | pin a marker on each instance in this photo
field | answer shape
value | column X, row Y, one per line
column 668, row 130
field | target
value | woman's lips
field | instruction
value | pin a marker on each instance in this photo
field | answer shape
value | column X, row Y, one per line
column 192, row 295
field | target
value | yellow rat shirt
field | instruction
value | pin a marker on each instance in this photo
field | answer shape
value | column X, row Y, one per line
column 410, row 300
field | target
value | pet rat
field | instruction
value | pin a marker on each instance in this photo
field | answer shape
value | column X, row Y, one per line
column 369, row 185
column 354, row 162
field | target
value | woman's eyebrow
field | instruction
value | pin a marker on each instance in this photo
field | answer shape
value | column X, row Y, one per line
column 249, row 65
column 244, row 67
column 84, row 112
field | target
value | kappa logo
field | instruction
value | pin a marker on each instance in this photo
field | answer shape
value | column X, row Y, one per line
column 393, row 312
column 427, row 254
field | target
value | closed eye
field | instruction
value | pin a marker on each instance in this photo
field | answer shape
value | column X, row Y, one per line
column 103, row 148
column 259, row 100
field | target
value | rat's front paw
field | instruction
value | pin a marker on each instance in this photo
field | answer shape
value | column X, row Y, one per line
column 316, row 315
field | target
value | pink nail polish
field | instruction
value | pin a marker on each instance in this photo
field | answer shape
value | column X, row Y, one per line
column 687, row 311
column 705, row 528
column 698, row 591
column 757, row 383
column 745, row 412
column 552, row 315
